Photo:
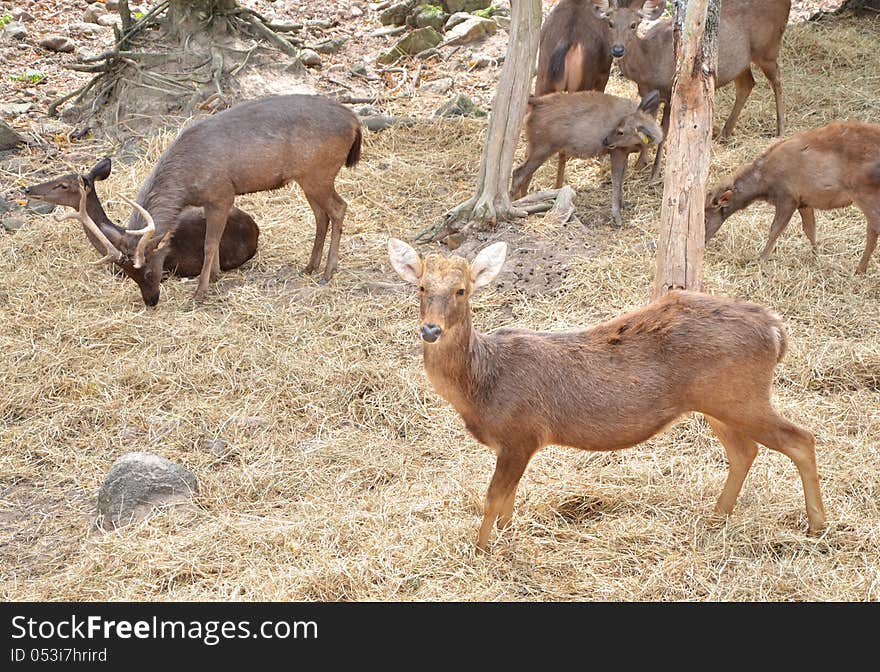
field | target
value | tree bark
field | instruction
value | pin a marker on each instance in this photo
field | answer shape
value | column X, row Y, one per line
column 682, row 220
column 491, row 201
column 189, row 15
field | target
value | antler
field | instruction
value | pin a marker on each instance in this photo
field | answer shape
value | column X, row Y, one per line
column 146, row 233
column 83, row 217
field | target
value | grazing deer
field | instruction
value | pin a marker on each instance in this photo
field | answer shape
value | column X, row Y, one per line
column 823, row 168
column 607, row 387
column 183, row 256
column 587, row 124
column 254, row 146
column 750, row 31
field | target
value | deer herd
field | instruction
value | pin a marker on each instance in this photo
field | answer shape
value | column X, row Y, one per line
column 605, row 387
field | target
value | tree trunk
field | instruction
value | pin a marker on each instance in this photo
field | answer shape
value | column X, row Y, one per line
column 190, row 15
column 491, row 201
column 682, row 220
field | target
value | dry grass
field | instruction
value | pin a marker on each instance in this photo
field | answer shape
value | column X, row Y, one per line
column 350, row 479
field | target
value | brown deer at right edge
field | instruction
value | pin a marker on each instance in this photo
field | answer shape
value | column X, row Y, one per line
column 750, row 31
column 607, row 387
column 823, row 168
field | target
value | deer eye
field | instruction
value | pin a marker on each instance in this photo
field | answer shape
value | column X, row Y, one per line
column 421, row 288
column 632, row 26
column 611, row 24
column 619, row 131
column 460, row 292
column 62, row 186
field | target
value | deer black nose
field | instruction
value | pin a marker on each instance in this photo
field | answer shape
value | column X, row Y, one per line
column 617, row 50
column 27, row 190
column 431, row 332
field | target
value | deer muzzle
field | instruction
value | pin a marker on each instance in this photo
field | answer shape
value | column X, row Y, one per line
column 431, row 332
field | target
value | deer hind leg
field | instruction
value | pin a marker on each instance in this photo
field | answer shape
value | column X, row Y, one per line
column 658, row 157
column 522, row 176
column 744, row 83
column 509, row 468
column 335, row 206
column 873, row 217
column 770, row 68
column 808, row 223
column 770, row 429
column 741, row 452
column 560, row 170
column 215, row 217
column 618, row 169
column 322, row 220
column 784, row 211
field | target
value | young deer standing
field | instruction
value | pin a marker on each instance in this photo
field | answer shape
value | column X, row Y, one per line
column 823, row 168
column 587, row 124
column 183, row 256
column 606, row 387
column 255, row 146
column 750, row 31
column 574, row 54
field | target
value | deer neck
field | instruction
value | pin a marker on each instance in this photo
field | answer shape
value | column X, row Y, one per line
column 646, row 59
column 458, row 367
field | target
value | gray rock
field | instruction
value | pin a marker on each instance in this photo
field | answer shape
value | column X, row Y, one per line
column 355, row 11
column 113, row 5
column 417, row 41
column 40, row 207
column 330, row 46
column 459, row 106
column 253, row 421
column 455, row 19
column 310, row 57
column 13, row 224
column 84, row 28
column 429, row 15
column 470, row 30
column 368, row 111
column 396, row 14
column 108, row 20
column 4, row 206
column 379, row 122
column 286, row 26
column 220, row 447
column 8, row 137
column 15, row 107
column 15, row 31
column 437, row 86
column 466, row 5
column 359, row 69
column 480, row 60
column 22, row 15
column 388, row 30
column 58, row 43
column 93, row 13
column 502, row 20
column 138, row 483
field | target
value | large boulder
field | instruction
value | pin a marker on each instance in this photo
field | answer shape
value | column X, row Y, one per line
column 59, row 43
column 470, row 30
column 139, row 482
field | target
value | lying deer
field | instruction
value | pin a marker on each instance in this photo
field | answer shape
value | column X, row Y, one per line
column 823, row 168
column 750, row 31
column 183, row 256
column 254, row 146
column 574, row 54
column 584, row 125
column 607, row 387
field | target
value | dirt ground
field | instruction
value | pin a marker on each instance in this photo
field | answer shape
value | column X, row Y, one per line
column 346, row 476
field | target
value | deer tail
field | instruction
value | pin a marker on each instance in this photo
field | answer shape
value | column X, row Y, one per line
column 354, row 153
column 567, row 67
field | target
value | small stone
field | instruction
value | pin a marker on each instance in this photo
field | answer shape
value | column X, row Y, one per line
column 4, row 206
column 40, row 207
column 22, row 15
column 93, row 12
column 59, row 43
column 220, row 447
column 310, row 58
column 396, row 14
column 286, row 26
column 15, row 31
column 331, row 46
column 502, row 20
column 83, row 28
column 388, row 30
column 429, row 15
column 15, row 108
column 466, row 5
column 417, row 41
column 108, row 20
column 8, row 137
column 336, row 67
column 368, row 111
column 359, row 69
column 480, row 60
column 472, row 29
column 355, row 11
column 13, row 224
column 459, row 106
column 455, row 19
column 139, row 482
column 253, row 421
column 437, row 86
column 379, row 122
column 113, row 5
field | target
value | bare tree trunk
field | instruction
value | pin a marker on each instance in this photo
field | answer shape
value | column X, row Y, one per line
column 682, row 220
column 491, row 201
column 186, row 16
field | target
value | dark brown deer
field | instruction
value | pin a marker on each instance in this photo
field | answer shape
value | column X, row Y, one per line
column 255, row 146
column 587, row 124
column 607, row 387
column 184, row 254
column 750, row 31
column 574, row 54
column 823, row 168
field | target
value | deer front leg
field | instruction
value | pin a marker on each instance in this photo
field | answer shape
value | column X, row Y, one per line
column 784, row 211
column 618, row 168
column 509, row 468
column 215, row 218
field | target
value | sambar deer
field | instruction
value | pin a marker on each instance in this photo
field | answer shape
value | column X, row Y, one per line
column 254, row 146
column 573, row 54
column 183, row 256
column 749, row 31
column 610, row 386
column 823, row 168
column 584, row 125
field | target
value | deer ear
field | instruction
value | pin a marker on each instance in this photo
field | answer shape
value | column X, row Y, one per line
column 488, row 264
column 652, row 9
column 101, row 170
column 405, row 260
column 602, row 8
column 650, row 102
column 724, row 198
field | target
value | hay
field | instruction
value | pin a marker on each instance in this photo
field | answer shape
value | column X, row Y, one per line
column 348, row 478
